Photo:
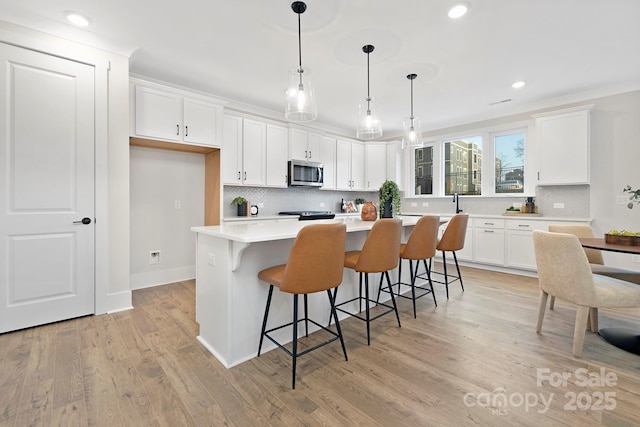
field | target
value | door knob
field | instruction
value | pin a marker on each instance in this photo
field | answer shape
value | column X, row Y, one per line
column 84, row 221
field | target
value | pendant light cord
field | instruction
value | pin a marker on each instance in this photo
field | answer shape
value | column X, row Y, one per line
column 299, row 44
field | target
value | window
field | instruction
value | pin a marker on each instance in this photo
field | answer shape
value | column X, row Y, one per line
column 423, row 171
column 459, row 175
column 509, row 162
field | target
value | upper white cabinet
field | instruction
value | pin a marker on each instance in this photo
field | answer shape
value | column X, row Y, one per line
column 375, row 165
column 349, row 165
column 171, row 116
column 394, row 163
column 328, row 159
column 563, row 143
column 276, row 156
column 304, row 145
column 243, row 151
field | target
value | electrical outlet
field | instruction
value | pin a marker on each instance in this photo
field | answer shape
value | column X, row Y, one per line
column 322, row 204
column 635, row 258
column 414, row 204
column 177, row 204
column 260, row 205
column 211, row 259
column 154, row 257
column 558, row 205
column 425, row 204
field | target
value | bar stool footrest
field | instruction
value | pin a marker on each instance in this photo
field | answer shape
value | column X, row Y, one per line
column 286, row 350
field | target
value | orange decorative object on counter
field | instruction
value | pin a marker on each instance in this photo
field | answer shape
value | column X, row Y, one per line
column 369, row 212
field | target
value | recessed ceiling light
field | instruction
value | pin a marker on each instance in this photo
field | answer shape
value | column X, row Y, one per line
column 518, row 85
column 77, row 19
column 458, row 10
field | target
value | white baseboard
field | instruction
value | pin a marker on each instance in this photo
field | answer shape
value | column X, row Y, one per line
column 162, row 277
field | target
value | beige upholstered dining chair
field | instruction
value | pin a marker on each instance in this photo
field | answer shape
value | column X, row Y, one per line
column 564, row 272
column 596, row 262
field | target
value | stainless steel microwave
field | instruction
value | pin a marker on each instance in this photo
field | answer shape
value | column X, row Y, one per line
column 305, row 174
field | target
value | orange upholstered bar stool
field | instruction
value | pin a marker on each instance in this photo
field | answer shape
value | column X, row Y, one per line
column 421, row 246
column 379, row 254
column 315, row 264
column 453, row 240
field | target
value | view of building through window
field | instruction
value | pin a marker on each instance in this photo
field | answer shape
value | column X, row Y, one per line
column 509, row 163
column 424, row 170
column 463, row 166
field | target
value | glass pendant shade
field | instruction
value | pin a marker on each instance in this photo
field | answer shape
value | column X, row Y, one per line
column 412, row 135
column 369, row 126
column 301, row 99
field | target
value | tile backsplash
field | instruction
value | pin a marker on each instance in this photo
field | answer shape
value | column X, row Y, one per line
column 574, row 198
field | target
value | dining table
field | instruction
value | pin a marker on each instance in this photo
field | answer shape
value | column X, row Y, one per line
column 623, row 338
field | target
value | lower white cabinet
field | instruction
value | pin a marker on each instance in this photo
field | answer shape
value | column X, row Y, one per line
column 488, row 241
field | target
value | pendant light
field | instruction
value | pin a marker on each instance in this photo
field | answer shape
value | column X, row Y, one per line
column 412, row 131
column 369, row 126
column 301, row 101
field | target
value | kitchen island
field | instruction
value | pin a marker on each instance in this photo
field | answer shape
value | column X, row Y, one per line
column 230, row 300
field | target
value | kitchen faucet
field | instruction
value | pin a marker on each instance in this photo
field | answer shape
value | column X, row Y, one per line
column 455, row 200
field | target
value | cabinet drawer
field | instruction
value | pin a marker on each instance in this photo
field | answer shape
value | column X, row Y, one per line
column 488, row 223
column 524, row 224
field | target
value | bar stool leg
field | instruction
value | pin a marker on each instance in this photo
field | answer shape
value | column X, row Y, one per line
column 393, row 299
column 399, row 274
column 446, row 278
column 431, row 285
column 413, row 285
column 366, row 293
column 360, row 292
column 295, row 341
column 306, row 317
column 455, row 258
column 380, row 290
column 264, row 321
column 335, row 318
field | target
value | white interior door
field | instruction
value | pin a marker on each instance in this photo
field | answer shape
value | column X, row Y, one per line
column 47, row 182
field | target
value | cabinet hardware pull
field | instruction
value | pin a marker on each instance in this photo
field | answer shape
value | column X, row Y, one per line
column 488, row 223
column 305, row 154
column 186, row 131
column 488, row 231
column 523, row 225
column 238, row 175
column 309, row 153
column 177, row 129
column 245, row 176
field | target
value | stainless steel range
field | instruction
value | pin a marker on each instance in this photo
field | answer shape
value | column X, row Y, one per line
column 310, row 215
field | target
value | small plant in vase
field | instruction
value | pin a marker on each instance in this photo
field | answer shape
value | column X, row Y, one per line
column 389, row 200
column 359, row 202
column 241, row 202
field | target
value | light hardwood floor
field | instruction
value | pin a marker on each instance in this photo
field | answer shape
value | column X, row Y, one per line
column 145, row 367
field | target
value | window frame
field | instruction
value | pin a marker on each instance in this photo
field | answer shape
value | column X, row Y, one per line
column 487, row 160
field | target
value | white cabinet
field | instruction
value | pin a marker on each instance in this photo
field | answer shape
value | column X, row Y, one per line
column 170, row 116
column 304, row 145
column 276, row 156
column 563, row 147
column 349, row 165
column 243, row 151
column 394, row 163
column 375, row 165
column 488, row 241
column 328, row 159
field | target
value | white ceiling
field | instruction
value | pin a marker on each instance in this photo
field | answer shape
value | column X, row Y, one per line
column 566, row 50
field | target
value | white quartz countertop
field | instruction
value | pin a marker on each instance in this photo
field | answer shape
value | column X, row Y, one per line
column 512, row 217
column 263, row 231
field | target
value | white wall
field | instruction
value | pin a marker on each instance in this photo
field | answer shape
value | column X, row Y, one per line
column 159, row 178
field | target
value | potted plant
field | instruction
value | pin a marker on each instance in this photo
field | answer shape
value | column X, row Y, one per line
column 241, row 202
column 634, row 197
column 389, row 199
column 359, row 202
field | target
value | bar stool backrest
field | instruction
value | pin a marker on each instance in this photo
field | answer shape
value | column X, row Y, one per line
column 453, row 236
column 423, row 239
column 316, row 260
column 381, row 250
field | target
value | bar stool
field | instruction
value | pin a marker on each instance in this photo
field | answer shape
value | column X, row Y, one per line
column 315, row 264
column 453, row 240
column 379, row 254
column 421, row 246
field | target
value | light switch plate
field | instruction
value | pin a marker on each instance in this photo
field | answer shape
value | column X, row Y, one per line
column 558, row 205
